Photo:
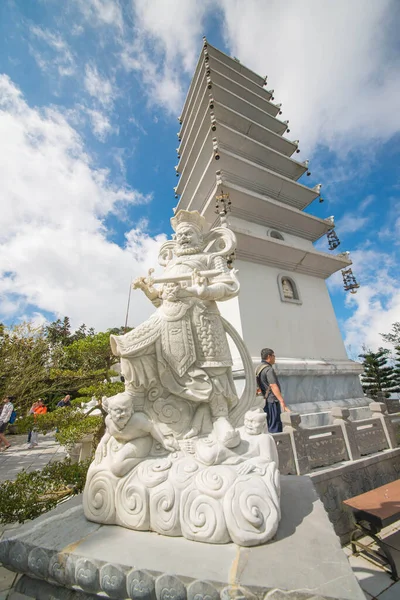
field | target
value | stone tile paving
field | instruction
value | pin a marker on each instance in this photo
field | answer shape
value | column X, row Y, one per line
column 12, row 461
column 20, row 457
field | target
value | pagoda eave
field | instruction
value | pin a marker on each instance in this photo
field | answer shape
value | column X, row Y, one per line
column 281, row 255
column 231, row 139
column 207, row 119
column 267, row 212
column 226, row 66
column 246, row 174
column 221, row 95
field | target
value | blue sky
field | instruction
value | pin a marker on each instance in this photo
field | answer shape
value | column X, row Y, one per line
column 90, row 92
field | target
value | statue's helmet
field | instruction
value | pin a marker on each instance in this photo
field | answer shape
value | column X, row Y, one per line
column 188, row 217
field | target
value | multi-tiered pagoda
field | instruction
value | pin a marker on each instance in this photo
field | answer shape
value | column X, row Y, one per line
column 232, row 152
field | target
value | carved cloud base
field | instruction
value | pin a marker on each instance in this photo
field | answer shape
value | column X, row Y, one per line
column 179, row 496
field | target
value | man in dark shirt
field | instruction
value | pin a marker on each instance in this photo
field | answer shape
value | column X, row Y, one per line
column 66, row 401
column 271, row 390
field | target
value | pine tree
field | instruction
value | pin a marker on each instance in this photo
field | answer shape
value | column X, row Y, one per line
column 378, row 376
column 397, row 367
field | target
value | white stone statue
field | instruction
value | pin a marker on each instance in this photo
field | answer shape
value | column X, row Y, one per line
column 176, row 457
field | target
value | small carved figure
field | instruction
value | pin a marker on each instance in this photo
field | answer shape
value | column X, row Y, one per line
column 256, row 449
column 287, row 289
column 257, row 446
column 129, row 435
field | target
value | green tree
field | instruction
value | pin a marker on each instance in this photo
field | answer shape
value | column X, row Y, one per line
column 24, row 362
column 393, row 337
column 378, row 375
column 397, row 367
column 91, row 353
column 59, row 332
column 52, row 361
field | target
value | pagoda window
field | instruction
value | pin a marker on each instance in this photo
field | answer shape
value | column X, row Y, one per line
column 288, row 289
column 276, row 235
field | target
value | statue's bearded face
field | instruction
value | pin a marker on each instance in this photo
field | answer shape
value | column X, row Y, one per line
column 189, row 240
column 254, row 426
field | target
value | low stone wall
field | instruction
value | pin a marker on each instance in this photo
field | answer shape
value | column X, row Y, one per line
column 342, row 482
column 361, row 455
column 301, row 450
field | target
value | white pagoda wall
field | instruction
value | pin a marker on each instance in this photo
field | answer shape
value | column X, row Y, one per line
column 307, row 330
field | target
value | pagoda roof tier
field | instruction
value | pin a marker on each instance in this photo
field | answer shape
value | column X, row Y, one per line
column 278, row 254
column 234, row 64
column 244, row 173
column 224, row 69
column 212, row 77
column 207, row 118
column 242, row 145
column 253, row 207
column 220, row 95
column 227, row 66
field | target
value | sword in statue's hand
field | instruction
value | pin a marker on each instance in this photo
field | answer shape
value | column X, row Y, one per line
column 182, row 277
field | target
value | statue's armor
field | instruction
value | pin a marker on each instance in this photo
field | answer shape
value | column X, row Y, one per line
column 190, row 329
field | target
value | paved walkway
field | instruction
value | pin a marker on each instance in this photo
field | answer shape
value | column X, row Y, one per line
column 375, row 582
column 20, row 457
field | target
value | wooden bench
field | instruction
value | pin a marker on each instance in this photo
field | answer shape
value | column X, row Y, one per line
column 373, row 511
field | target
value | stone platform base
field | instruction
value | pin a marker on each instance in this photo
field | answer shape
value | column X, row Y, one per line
column 313, row 387
column 64, row 549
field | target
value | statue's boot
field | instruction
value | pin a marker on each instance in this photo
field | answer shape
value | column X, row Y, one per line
column 225, row 433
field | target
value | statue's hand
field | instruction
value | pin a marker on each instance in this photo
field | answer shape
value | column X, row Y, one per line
column 146, row 285
column 246, row 468
column 140, row 283
column 199, row 287
column 171, row 444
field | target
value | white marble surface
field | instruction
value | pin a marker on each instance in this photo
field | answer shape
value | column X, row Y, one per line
column 176, row 457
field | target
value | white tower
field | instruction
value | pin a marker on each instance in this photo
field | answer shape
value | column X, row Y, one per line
column 231, row 146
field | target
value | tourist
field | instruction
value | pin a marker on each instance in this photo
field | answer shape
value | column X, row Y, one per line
column 31, row 411
column 66, row 401
column 271, row 390
column 5, row 416
column 39, row 409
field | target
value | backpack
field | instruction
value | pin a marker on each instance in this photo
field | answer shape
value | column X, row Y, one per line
column 12, row 417
column 259, row 370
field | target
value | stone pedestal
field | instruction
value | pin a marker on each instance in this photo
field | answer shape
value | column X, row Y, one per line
column 63, row 548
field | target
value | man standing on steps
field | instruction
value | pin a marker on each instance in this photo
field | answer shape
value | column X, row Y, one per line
column 271, row 390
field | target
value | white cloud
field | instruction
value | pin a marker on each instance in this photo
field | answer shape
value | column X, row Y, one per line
column 333, row 65
column 165, row 47
column 376, row 305
column 102, row 12
column 100, row 88
column 54, row 253
column 63, row 58
column 100, row 123
column 351, row 222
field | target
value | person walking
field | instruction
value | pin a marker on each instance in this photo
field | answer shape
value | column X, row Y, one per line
column 39, row 409
column 5, row 416
column 31, row 412
column 269, row 385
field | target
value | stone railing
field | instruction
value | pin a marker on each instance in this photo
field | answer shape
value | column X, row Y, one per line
column 301, row 450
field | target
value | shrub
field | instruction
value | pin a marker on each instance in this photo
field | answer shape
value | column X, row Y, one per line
column 34, row 493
